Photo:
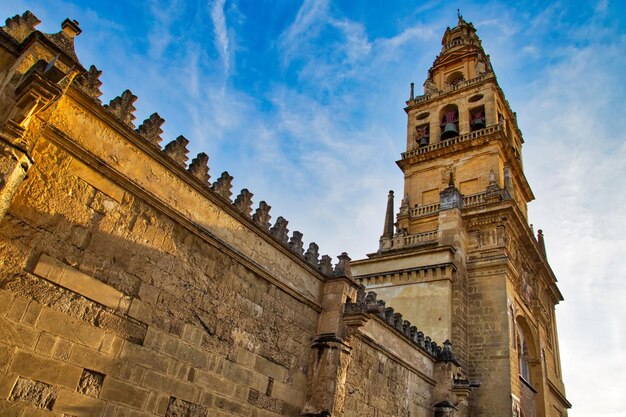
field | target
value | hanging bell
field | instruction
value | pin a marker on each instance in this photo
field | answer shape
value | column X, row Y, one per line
column 449, row 131
column 423, row 141
column 478, row 123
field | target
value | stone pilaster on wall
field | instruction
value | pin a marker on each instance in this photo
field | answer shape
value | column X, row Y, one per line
column 330, row 349
column 451, row 232
column 39, row 88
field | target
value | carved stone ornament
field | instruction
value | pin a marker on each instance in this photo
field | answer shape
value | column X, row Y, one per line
column 445, row 175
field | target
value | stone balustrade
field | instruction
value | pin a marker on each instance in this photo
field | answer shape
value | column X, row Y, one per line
column 452, row 141
column 424, row 210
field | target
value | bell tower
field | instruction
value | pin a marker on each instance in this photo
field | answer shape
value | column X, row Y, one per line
column 463, row 263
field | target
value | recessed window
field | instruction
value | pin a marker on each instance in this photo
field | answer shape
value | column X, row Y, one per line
column 477, row 118
column 474, row 99
column 422, row 116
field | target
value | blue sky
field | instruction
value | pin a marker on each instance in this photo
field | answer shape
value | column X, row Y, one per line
column 302, row 102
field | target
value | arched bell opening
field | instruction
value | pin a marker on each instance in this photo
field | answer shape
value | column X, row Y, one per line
column 449, row 122
column 477, row 118
column 422, row 135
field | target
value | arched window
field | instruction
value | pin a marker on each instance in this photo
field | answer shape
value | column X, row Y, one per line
column 455, row 79
column 523, row 355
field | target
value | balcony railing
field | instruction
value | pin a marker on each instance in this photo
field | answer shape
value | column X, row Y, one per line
column 424, row 210
column 448, row 89
column 406, row 241
column 452, row 141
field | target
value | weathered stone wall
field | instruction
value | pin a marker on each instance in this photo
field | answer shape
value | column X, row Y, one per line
column 107, row 303
column 393, row 388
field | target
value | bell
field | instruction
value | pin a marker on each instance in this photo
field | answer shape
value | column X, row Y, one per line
column 478, row 123
column 423, row 141
column 449, row 131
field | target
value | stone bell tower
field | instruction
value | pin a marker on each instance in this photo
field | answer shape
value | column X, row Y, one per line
column 463, row 263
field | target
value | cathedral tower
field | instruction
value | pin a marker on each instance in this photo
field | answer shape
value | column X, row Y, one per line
column 463, row 262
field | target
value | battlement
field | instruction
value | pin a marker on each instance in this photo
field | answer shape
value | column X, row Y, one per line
column 22, row 30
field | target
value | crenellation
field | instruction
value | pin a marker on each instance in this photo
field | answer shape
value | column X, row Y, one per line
column 262, row 215
column 223, row 186
column 312, row 254
column 19, row 27
column 177, row 150
column 199, row 168
column 89, row 82
column 296, row 244
column 279, row 230
column 151, row 130
column 243, row 202
column 122, row 107
column 326, row 266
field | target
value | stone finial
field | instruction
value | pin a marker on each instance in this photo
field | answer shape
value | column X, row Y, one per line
column 177, row 150
column 541, row 242
column 122, row 107
column 406, row 328
column 343, row 266
column 434, row 349
column 262, row 215
column 370, row 298
column 427, row 344
column 312, row 254
column 420, row 338
column 151, row 130
column 279, row 230
column 361, row 297
column 199, row 167
column 295, row 243
column 397, row 321
column 223, row 185
column 389, row 311
column 19, row 27
column 90, row 83
column 413, row 333
column 446, row 353
column 243, row 202
column 326, row 266
column 64, row 39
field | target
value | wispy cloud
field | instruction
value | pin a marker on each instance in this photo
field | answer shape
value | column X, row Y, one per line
column 220, row 33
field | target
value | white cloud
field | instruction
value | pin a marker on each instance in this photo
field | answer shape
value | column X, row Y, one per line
column 220, row 33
